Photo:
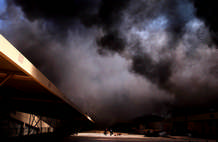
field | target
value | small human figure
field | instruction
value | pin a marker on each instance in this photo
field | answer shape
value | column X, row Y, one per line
column 148, row 133
column 111, row 132
column 105, row 132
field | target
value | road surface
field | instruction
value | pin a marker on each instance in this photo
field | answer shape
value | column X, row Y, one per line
column 100, row 137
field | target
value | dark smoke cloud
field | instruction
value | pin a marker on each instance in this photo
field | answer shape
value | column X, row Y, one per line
column 207, row 11
column 119, row 59
column 112, row 42
column 58, row 11
column 156, row 72
column 104, row 13
column 173, row 31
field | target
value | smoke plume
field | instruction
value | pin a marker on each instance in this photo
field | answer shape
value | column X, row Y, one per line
column 119, row 59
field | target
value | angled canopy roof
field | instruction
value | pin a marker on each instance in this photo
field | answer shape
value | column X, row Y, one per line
column 28, row 89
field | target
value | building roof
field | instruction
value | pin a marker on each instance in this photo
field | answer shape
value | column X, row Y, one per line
column 29, row 90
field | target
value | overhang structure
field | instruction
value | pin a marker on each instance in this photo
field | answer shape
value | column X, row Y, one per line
column 24, row 88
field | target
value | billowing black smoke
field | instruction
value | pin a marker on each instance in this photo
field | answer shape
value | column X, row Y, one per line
column 119, row 59
column 207, row 11
column 63, row 14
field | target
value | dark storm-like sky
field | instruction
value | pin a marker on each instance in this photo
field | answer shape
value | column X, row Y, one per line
column 119, row 59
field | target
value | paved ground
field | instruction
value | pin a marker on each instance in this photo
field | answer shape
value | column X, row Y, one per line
column 99, row 137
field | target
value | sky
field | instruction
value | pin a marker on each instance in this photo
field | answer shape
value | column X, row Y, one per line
column 2, row 9
column 120, row 59
column 2, row 6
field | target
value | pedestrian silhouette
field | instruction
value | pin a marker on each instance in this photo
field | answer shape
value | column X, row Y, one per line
column 111, row 132
column 105, row 132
